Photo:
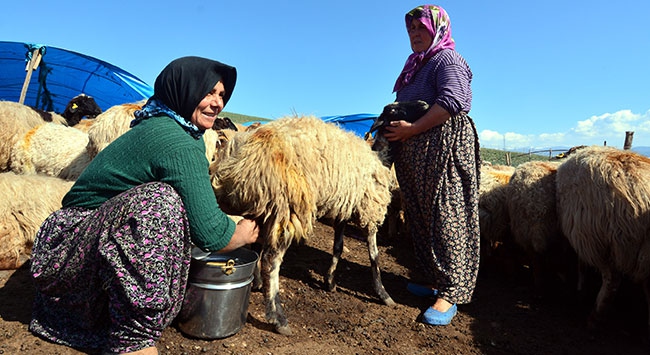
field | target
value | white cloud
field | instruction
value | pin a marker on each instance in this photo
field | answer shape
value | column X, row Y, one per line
column 508, row 140
column 596, row 130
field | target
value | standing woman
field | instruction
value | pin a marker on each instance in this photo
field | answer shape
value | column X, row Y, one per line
column 110, row 267
column 438, row 168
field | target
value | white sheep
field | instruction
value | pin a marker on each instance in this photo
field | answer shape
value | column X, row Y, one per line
column 290, row 172
column 51, row 149
column 111, row 124
column 494, row 219
column 17, row 119
column 85, row 124
column 64, row 152
column 27, row 200
column 604, row 210
column 222, row 130
column 534, row 223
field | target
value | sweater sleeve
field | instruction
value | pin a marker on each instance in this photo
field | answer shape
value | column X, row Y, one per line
column 186, row 169
column 453, row 80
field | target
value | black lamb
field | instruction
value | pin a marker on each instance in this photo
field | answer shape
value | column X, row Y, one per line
column 408, row 111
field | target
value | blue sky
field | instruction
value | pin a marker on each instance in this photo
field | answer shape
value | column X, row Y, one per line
column 553, row 73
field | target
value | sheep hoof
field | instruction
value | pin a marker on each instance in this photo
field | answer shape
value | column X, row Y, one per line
column 283, row 330
column 389, row 302
column 331, row 287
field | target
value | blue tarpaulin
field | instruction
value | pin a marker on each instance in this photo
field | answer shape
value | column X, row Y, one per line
column 357, row 123
column 62, row 75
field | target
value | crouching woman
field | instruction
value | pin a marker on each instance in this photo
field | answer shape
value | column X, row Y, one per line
column 111, row 266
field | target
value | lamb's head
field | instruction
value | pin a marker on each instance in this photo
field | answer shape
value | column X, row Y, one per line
column 79, row 107
column 223, row 123
column 408, row 111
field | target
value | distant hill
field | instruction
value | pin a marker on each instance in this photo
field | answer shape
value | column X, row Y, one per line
column 238, row 118
column 499, row 157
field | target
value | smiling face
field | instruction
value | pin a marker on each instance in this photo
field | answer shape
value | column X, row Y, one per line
column 207, row 110
column 419, row 35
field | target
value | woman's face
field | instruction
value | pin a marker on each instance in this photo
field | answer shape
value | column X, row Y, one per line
column 208, row 109
column 419, row 35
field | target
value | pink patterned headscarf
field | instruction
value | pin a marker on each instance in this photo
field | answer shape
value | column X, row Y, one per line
column 436, row 20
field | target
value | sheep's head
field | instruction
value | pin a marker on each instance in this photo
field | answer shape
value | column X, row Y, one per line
column 408, row 111
column 79, row 107
column 223, row 123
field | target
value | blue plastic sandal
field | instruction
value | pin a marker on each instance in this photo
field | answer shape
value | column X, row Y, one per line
column 433, row 317
column 421, row 291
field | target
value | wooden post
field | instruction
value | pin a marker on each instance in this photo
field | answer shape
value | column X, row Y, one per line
column 629, row 135
column 31, row 66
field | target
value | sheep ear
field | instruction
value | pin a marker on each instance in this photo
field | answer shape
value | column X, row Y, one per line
column 379, row 122
column 74, row 107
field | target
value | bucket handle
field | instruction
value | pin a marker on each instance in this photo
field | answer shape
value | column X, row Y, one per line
column 228, row 267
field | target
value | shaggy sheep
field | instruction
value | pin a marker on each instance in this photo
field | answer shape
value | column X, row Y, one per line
column 66, row 151
column 499, row 252
column 395, row 225
column 493, row 210
column 27, row 200
column 85, row 124
column 222, row 130
column 604, row 211
column 109, row 125
column 290, row 172
column 408, row 111
column 17, row 119
column 534, row 223
column 51, row 149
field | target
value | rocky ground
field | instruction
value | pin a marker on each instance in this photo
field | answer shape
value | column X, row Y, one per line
column 505, row 317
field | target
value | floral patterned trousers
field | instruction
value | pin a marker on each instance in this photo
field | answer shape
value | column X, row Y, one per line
column 114, row 277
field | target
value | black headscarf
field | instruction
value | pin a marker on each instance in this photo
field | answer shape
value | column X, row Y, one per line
column 185, row 81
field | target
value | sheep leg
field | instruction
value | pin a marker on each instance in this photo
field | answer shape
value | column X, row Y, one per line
column 257, row 274
column 270, row 271
column 373, row 252
column 611, row 280
column 339, row 231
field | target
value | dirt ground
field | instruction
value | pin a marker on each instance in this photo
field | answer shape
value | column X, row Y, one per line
column 505, row 316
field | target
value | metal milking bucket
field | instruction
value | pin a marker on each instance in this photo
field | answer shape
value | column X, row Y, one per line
column 217, row 294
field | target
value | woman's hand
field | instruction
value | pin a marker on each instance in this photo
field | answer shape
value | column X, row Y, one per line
column 399, row 131
column 246, row 232
column 403, row 130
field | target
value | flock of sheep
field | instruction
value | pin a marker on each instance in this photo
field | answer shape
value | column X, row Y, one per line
column 588, row 211
column 593, row 207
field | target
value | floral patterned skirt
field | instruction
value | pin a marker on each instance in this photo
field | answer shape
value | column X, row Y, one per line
column 114, row 277
column 438, row 174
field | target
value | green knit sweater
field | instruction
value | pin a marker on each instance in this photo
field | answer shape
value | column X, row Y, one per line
column 157, row 149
